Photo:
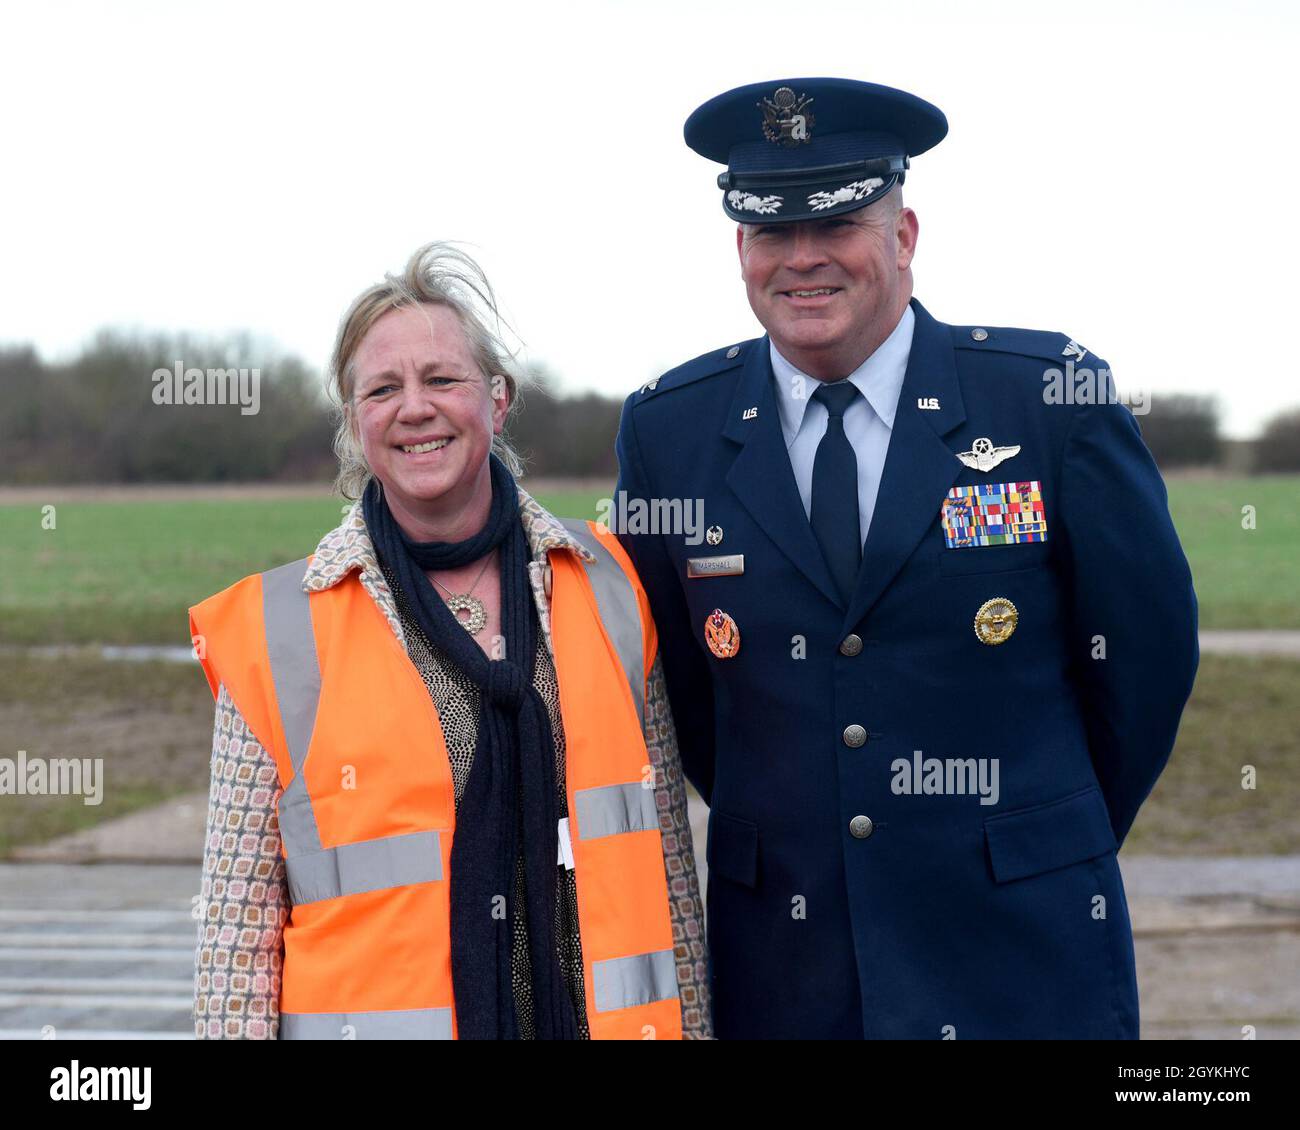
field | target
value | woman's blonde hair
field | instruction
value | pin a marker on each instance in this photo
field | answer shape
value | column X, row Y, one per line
column 443, row 275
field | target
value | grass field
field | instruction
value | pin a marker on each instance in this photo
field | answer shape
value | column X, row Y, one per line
column 150, row 722
column 1244, row 578
column 125, row 571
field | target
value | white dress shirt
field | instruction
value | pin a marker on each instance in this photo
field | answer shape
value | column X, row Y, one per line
column 868, row 422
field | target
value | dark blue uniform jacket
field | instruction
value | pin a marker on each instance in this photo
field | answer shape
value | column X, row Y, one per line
column 952, row 917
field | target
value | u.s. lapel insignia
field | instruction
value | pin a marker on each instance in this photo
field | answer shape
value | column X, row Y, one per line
column 786, row 119
column 983, row 456
column 1073, row 349
column 721, row 634
column 996, row 620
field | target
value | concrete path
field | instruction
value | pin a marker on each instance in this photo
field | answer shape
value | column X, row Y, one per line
column 171, row 832
column 97, row 952
column 1273, row 641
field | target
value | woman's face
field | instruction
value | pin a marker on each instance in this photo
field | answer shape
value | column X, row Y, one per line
column 416, row 385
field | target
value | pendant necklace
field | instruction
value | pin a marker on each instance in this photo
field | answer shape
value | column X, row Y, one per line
column 468, row 602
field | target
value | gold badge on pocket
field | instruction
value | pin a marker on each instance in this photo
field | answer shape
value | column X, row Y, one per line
column 996, row 620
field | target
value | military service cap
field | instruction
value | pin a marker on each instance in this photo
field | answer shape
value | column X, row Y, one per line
column 804, row 149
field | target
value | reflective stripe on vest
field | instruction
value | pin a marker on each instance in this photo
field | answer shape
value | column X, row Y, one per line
column 611, row 809
column 295, row 670
column 394, row 1024
column 370, row 865
column 640, row 979
column 616, row 600
column 316, row 875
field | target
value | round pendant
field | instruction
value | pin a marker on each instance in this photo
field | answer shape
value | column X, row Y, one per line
column 473, row 623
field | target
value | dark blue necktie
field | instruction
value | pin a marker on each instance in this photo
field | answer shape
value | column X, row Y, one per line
column 835, row 491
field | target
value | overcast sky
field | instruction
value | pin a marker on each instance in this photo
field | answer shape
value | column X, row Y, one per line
column 1123, row 172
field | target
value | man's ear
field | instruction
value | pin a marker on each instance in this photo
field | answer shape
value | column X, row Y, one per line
column 740, row 246
column 906, row 229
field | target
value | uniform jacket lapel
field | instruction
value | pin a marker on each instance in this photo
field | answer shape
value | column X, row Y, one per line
column 919, row 466
column 761, row 476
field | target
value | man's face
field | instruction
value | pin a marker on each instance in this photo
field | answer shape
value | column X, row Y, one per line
column 858, row 265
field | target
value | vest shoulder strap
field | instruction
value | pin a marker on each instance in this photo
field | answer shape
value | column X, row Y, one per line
column 229, row 633
column 624, row 610
column 291, row 651
column 257, row 628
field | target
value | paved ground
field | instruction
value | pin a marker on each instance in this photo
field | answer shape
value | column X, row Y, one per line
column 1274, row 641
column 97, row 951
column 1279, row 642
column 97, row 938
column 167, row 833
column 1218, row 945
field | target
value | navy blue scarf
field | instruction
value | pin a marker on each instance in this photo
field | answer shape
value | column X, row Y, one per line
column 509, row 803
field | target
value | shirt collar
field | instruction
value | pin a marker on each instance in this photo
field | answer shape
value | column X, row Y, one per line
column 348, row 545
column 879, row 378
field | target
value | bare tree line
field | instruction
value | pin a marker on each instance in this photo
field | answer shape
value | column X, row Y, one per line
column 97, row 419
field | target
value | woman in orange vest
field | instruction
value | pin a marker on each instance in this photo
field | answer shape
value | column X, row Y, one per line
column 446, row 795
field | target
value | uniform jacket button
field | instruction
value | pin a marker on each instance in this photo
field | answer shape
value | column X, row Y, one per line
column 861, row 827
column 851, row 645
column 854, row 736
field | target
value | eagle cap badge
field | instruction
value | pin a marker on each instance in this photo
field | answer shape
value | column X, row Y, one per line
column 786, row 120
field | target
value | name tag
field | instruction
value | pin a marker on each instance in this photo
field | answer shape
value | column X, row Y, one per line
column 729, row 566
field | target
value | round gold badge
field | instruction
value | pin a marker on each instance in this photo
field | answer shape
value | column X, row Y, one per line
column 996, row 620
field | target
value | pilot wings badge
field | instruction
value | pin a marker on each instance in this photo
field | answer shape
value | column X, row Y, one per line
column 785, row 119
column 983, row 456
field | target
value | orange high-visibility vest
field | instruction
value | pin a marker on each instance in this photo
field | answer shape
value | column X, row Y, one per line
column 367, row 813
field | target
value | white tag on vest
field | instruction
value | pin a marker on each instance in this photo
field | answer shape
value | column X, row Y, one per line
column 566, row 846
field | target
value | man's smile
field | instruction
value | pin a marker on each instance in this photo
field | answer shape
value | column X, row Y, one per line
column 816, row 296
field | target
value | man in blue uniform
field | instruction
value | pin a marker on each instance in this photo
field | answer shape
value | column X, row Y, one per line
column 931, row 656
